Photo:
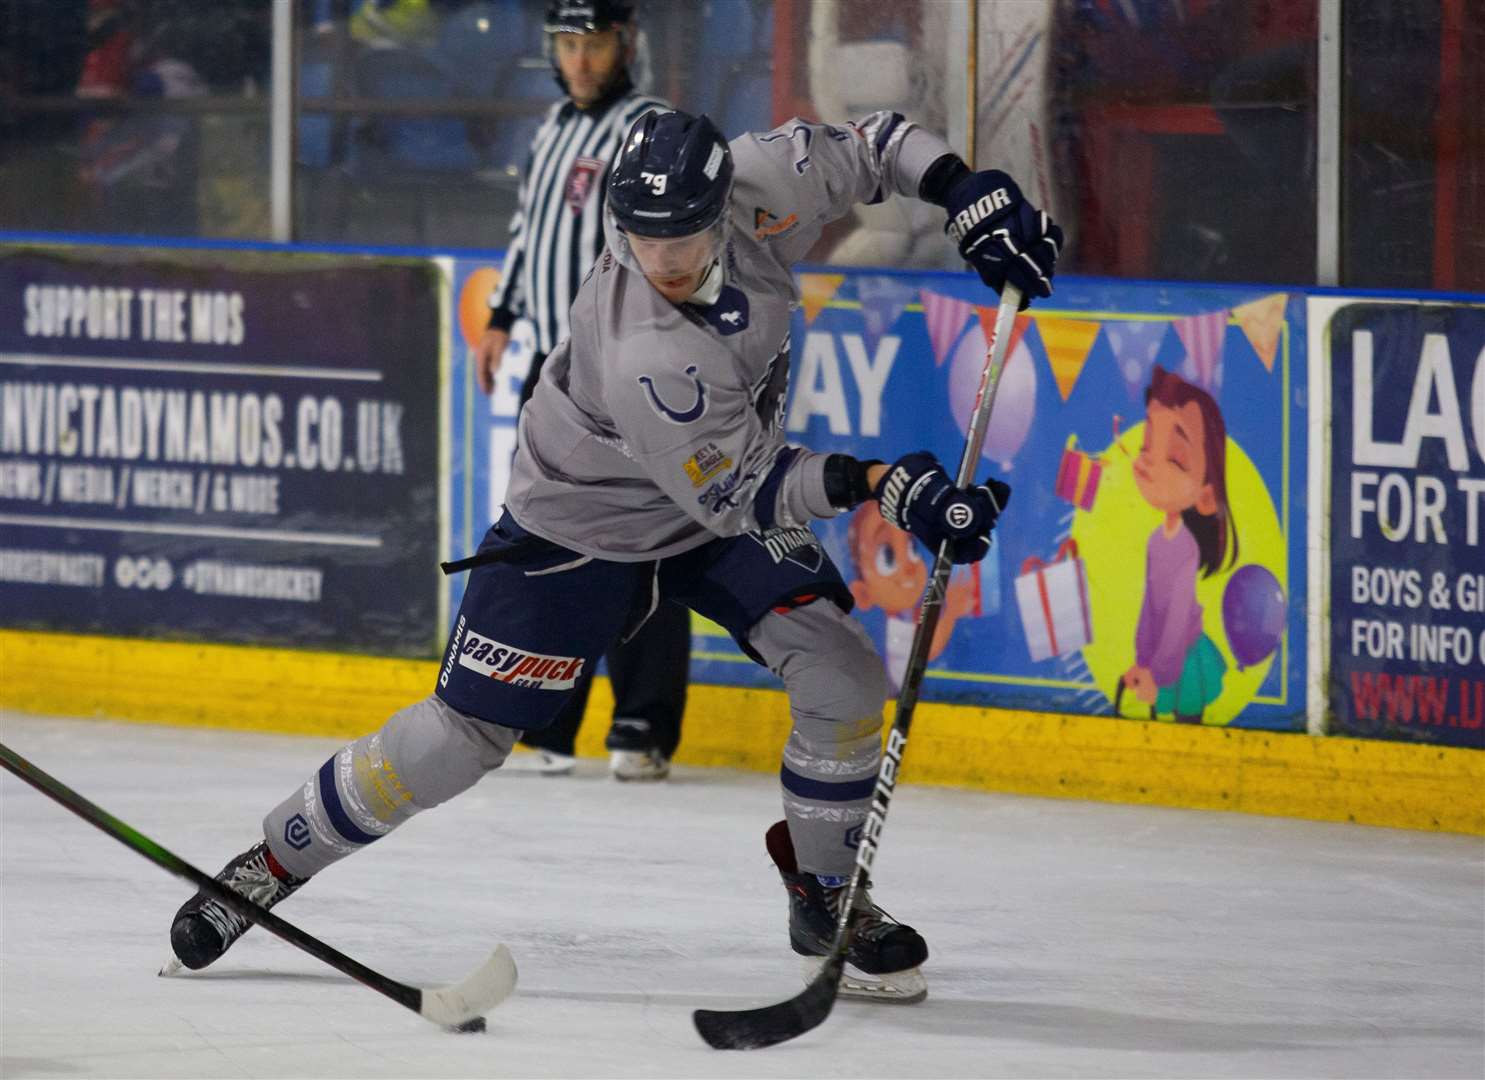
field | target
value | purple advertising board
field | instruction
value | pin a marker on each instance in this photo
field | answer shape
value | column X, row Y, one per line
column 224, row 446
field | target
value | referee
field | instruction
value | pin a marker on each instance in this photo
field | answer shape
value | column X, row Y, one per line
column 556, row 235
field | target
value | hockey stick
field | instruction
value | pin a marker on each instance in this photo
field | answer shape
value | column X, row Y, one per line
column 752, row 1028
column 461, row 1006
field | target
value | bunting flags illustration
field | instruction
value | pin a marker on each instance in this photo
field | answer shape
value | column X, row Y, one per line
column 1068, row 342
column 882, row 300
column 945, row 317
column 987, row 327
column 1135, row 346
column 1202, row 335
column 817, row 290
column 1261, row 320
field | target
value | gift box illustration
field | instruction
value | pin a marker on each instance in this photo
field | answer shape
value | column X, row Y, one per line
column 1053, row 600
column 1078, row 476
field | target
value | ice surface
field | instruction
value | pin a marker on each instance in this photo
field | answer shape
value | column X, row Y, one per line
column 1068, row 938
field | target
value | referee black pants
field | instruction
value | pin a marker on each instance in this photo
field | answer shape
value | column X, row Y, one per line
column 649, row 672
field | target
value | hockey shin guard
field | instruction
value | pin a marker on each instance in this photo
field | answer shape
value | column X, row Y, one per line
column 423, row 756
column 836, row 686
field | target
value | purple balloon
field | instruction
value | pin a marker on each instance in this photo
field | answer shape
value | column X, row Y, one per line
column 1253, row 613
column 1015, row 400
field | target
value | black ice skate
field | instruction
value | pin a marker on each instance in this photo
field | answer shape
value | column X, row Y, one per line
column 885, row 955
column 204, row 928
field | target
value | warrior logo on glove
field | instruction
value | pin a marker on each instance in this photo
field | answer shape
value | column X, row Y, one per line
column 917, row 495
column 977, row 212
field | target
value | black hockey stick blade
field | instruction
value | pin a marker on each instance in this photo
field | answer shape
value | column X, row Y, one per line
column 752, row 1029
column 460, row 1005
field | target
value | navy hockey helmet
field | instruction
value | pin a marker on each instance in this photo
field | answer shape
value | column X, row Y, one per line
column 673, row 176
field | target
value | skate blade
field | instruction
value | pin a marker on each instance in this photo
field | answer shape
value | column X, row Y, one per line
column 172, row 967
column 906, row 987
column 631, row 767
column 537, row 763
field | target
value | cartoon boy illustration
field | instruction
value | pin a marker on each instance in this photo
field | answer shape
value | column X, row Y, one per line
column 1181, row 470
column 892, row 576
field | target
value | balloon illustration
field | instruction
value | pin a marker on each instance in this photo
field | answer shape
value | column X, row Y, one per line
column 1253, row 611
column 1015, row 401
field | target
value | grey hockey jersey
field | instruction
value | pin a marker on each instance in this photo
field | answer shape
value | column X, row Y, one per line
column 656, row 427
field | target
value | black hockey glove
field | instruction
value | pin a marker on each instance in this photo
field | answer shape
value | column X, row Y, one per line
column 1002, row 235
column 917, row 495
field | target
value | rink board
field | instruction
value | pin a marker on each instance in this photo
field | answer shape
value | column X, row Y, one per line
column 247, row 456
column 292, row 691
column 883, row 360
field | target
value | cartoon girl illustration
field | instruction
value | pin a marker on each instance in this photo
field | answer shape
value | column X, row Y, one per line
column 892, row 576
column 1181, row 471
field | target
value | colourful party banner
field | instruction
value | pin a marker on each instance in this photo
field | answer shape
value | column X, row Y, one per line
column 1203, row 336
column 1185, row 595
column 816, row 291
column 883, row 298
column 1135, row 571
column 1135, row 345
column 1067, row 342
column 944, row 317
column 1261, row 320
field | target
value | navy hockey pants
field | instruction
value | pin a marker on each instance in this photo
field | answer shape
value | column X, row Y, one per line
column 533, row 625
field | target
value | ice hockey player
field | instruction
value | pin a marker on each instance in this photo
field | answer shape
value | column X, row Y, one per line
column 651, row 463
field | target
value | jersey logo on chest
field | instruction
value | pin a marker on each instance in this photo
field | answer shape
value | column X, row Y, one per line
column 691, row 413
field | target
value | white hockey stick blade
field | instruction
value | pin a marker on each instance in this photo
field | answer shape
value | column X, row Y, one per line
column 449, row 1006
column 485, row 988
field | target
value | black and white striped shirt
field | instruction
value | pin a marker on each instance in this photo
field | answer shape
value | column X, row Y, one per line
column 557, row 231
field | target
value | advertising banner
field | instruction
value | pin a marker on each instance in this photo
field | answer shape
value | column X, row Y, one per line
column 222, row 446
column 1154, row 436
column 1155, row 444
column 1407, row 560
